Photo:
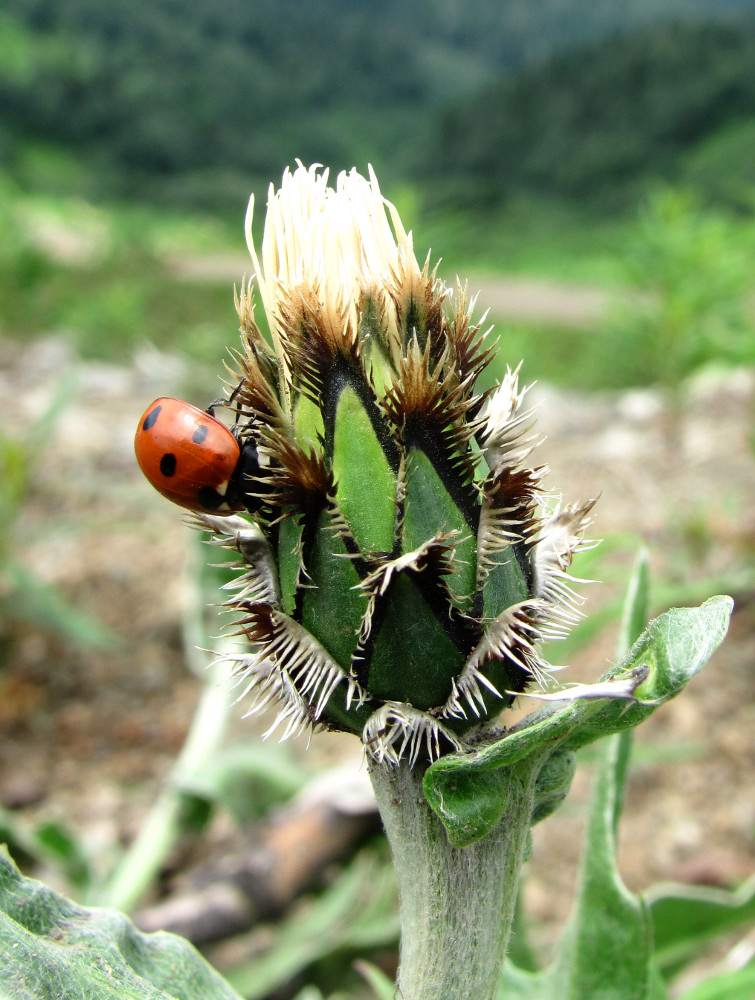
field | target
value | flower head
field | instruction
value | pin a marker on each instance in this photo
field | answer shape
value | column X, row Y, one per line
column 399, row 570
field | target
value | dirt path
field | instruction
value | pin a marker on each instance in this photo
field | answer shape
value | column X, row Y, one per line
column 536, row 300
column 508, row 297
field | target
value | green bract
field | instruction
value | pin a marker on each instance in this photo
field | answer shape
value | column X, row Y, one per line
column 400, row 570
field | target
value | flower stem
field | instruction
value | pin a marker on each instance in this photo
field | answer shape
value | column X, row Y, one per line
column 457, row 904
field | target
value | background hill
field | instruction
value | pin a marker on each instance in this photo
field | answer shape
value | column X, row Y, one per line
column 595, row 123
column 193, row 100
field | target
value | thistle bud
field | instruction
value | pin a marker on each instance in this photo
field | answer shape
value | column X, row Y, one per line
column 399, row 568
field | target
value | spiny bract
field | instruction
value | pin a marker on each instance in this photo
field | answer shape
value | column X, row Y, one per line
column 399, row 571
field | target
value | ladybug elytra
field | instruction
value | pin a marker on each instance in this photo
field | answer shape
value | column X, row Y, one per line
column 195, row 460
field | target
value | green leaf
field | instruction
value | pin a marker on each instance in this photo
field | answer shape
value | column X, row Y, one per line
column 670, row 651
column 635, row 612
column 687, row 918
column 332, row 606
column 504, row 583
column 606, row 949
column 553, row 784
column 674, row 647
column 470, row 805
column 739, row 985
column 308, row 422
column 413, row 659
column 50, row 947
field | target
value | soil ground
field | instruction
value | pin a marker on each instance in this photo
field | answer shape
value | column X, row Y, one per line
column 86, row 736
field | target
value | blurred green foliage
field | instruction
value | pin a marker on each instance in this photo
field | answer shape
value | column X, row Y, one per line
column 542, row 151
column 106, row 278
column 723, row 166
column 595, row 125
column 693, row 280
column 24, row 595
column 682, row 297
column 196, row 100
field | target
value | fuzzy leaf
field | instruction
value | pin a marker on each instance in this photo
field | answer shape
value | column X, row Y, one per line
column 50, row 947
column 672, row 649
column 607, row 947
column 553, row 784
column 686, row 918
column 475, row 804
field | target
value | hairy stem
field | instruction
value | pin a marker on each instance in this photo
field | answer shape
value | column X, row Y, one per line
column 457, row 904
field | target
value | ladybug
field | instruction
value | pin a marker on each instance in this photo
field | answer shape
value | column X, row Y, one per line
column 195, row 460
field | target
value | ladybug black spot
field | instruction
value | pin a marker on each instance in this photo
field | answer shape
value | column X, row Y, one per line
column 200, row 434
column 168, row 465
column 151, row 419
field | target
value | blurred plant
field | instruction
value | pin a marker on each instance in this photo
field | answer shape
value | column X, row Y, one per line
column 356, row 913
column 690, row 270
column 209, row 774
column 24, row 596
column 723, row 166
column 206, row 772
column 104, row 279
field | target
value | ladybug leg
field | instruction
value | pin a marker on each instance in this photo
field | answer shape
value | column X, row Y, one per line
column 234, row 394
column 233, row 399
column 230, row 403
column 214, row 406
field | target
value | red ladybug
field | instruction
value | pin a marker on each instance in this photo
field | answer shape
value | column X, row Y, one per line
column 195, row 460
